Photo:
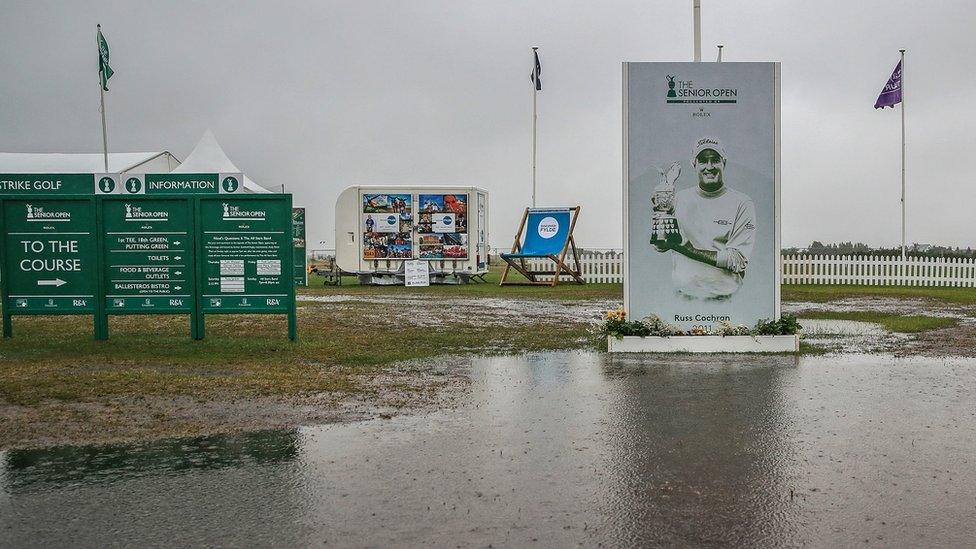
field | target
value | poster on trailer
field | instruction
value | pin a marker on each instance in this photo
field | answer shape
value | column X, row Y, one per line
column 701, row 192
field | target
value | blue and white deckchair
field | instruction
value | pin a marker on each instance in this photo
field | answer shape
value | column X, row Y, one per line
column 548, row 235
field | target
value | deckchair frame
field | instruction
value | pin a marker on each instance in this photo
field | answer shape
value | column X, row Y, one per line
column 518, row 263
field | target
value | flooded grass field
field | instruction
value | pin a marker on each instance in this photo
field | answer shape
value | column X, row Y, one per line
column 474, row 422
column 553, row 449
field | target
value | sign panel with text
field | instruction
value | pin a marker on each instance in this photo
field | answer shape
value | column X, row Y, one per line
column 701, row 191
column 245, row 254
column 50, row 254
column 119, row 244
column 148, row 255
column 298, row 242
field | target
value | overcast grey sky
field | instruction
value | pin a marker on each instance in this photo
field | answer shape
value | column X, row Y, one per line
column 323, row 95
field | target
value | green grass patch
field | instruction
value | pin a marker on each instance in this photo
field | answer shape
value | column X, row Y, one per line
column 818, row 293
column 563, row 291
column 893, row 323
column 339, row 348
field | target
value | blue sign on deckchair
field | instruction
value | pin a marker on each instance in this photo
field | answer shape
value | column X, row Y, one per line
column 548, row 234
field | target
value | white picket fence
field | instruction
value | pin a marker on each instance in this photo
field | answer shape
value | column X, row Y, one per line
column 607, row 267
column 879, row 271
column 597, row 267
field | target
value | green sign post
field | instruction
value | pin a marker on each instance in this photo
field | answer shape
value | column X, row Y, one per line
column 245, row 256
column 111, row 244
column 298, row 240
column 49, row 257
column 148, row 256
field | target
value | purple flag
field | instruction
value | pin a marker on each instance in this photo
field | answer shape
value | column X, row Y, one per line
column 891, row 94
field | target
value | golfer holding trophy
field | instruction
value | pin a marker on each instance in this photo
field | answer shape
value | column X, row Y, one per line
column 710, row 227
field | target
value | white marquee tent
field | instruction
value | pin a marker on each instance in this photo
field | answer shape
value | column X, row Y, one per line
column 208, row 156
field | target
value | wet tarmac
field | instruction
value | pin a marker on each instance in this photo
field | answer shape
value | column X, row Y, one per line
column 554, row 449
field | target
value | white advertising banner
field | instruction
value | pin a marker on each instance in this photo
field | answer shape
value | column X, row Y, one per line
column 444, row 222
column 416, row 273
column 701, row 192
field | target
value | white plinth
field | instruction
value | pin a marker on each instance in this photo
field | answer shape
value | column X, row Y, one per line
column 705, row 344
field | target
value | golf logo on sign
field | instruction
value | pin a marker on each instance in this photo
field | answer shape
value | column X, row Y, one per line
column 548, row 227
column 133, row 185
column 671, row 86
column 230, row 184
column 106, row 185
column 39, row 214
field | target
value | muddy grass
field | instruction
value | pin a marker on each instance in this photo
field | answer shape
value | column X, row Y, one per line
column 908, row 322
column 360, row 355
column 355, row 358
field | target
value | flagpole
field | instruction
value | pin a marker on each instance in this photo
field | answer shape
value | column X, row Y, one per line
column 101, row 92
column 903, row 214
column 535, row 118
column 696, row 8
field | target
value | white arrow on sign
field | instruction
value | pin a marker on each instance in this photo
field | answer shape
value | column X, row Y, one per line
column 57, row 282
column 177, row 258
column 178, row 288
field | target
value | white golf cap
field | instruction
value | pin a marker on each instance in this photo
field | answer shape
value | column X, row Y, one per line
column 712, row 143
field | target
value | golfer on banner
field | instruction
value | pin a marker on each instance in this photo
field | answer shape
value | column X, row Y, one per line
column 713, row 230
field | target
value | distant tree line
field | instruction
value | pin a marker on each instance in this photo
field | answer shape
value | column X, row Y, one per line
column 860, row 248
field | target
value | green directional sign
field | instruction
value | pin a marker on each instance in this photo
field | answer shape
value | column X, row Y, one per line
column 49, row 256
column 193, row 183
column 298, row 242
column 148, row 255
column 33, row 184
column 120, row 244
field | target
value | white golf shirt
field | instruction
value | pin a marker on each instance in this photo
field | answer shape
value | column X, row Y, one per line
column 723, row 221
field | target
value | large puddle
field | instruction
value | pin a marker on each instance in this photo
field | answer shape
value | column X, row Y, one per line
column 555, row 449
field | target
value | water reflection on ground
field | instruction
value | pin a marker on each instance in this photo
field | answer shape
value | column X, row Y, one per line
column 558, row 449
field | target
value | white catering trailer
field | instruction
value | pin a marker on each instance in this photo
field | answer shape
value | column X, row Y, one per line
column 378, row 227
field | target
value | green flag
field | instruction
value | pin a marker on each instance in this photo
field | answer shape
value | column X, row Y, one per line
column 104, row 71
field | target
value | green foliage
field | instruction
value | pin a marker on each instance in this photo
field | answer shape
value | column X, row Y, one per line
column 659, row 327
column 821, row 293
column 786, row 325
column 621, row 328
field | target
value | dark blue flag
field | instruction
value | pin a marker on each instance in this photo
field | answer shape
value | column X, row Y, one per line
column 536, row 75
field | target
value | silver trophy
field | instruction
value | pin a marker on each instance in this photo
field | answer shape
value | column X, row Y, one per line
column 664, row 225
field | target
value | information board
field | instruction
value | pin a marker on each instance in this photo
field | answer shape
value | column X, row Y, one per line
column 245, row 254
column 298, row 241
column 148, row 255
column 49, row 256
column 110, row 244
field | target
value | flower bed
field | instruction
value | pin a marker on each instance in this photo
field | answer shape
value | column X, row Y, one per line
column 652, row 334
